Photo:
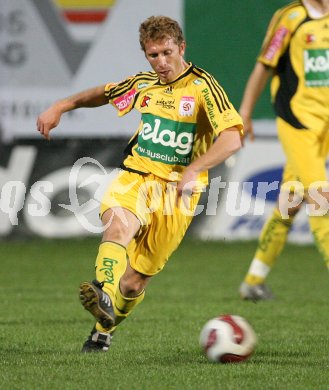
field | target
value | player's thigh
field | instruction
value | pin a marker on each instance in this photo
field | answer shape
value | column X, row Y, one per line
column 150, row 250
column 125, row 192
column 291, row 188
column 303, row 149
column 120, row 225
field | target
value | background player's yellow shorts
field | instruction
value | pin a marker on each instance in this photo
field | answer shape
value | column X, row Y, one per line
column 306, row 152
column 163, row 225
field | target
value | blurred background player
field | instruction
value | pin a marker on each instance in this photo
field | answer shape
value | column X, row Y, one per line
column 296, row 53
column 149, row 206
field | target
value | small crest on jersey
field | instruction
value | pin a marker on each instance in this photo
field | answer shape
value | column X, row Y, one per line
column 186, row 106
column 142, row 85
column 169, row 90
column 228, row 117
column 145, row 101
column 310, row 38
column 197, row 82
column 122, row 102
column 293, row 15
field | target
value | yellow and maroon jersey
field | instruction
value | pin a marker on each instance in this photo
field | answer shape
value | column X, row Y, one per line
column 296, row 46
column 179, row 120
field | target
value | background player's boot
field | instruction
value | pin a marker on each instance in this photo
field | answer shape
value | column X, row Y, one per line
column 98, row 303
column 257, row 292
column 97, row 342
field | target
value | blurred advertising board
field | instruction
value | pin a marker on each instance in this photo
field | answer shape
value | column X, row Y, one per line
column 54, row 189
column 238, row 203
column 50, row 49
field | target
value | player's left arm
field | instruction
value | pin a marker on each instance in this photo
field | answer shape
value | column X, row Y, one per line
column 50, row 118
column 228, row 143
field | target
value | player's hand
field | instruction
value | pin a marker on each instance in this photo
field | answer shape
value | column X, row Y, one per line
column 186, row 186
column 248, row 128
column 48, row 120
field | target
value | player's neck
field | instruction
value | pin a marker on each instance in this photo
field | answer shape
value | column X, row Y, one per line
column 317, row 8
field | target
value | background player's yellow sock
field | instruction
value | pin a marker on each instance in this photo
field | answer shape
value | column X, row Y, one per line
column 319, row 226
column 270, row 244
column 111, row 263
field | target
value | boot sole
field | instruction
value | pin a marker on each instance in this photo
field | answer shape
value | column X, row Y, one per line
column 89, row 298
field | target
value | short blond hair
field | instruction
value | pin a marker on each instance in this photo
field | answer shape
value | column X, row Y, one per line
column 159, row 27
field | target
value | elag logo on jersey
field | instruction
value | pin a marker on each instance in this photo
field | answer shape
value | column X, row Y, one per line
column 186, row 106
column 165, row 140
column 316, row 67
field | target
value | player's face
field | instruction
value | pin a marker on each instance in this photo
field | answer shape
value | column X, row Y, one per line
column 166, row 58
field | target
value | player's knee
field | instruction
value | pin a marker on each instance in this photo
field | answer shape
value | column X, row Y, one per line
column 318, row 201
column 115, row 233
column 115, row 229
column 120, row 226
column 292, row 211
column 289, row 203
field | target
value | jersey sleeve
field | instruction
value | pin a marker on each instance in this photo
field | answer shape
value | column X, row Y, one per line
column 220, row 111
column 122, row 95
column 282, row 26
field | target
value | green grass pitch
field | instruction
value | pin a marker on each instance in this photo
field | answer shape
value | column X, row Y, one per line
column 43, row 326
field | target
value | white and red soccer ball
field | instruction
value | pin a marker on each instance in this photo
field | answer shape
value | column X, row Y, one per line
column 228, row 339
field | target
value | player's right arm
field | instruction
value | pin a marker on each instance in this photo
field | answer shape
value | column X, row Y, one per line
column 276, row 41
column 274, row 45
column 50, row 118
column 254, row 87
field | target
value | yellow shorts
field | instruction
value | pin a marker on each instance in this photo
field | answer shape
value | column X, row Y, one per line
column 163, row 225
column 306, row 153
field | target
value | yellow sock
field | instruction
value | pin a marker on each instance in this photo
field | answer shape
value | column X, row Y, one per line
column 271, row 242
column 320, row 229
column 111, row 263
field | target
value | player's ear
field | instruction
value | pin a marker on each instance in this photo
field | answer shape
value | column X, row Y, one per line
column 182, row 48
